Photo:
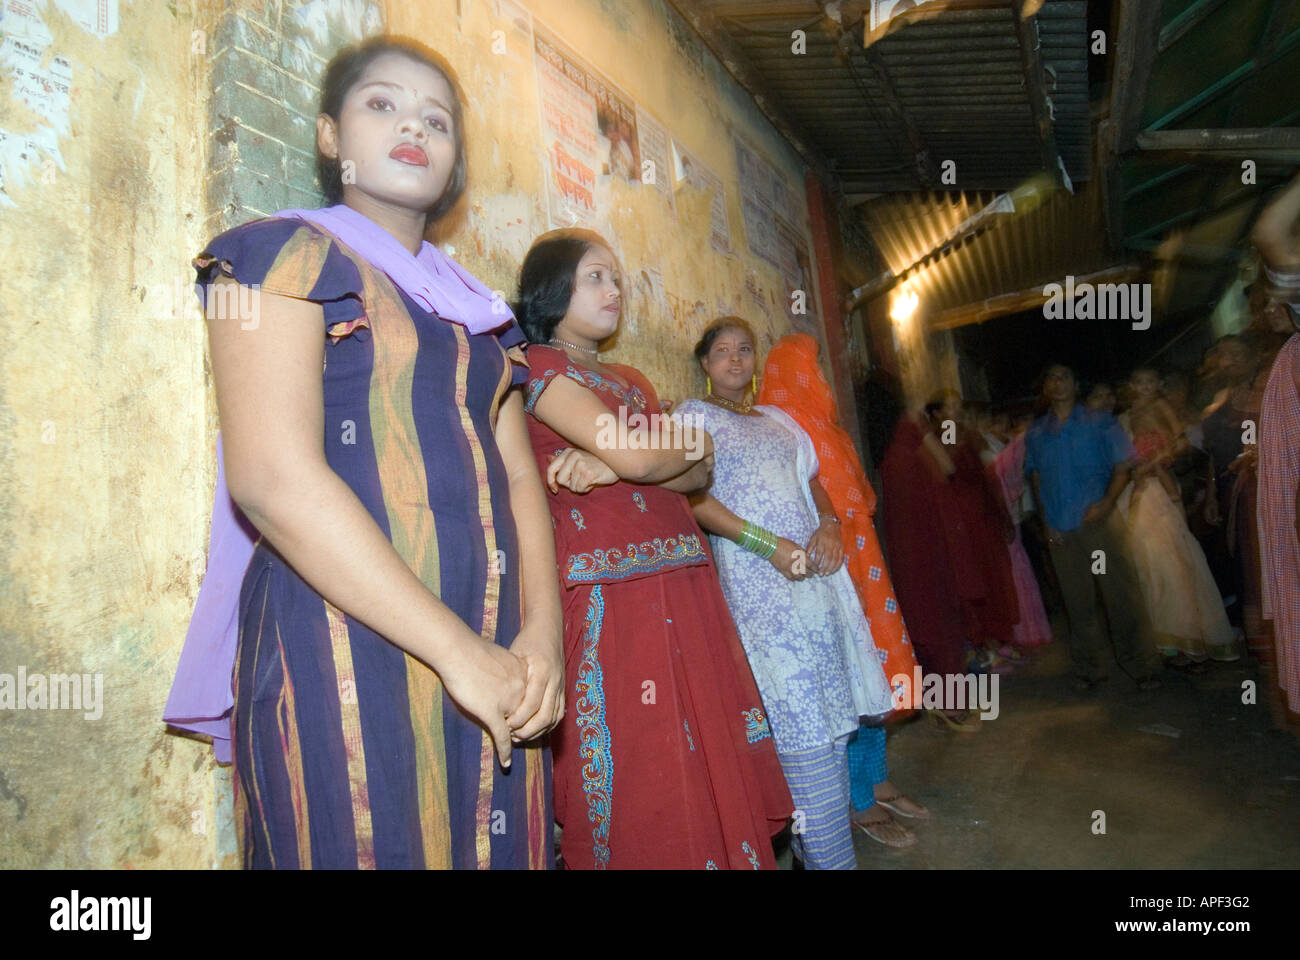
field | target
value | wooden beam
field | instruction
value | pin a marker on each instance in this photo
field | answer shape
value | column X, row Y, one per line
column 927, row 174
column 1133, row 46
column 1246, row 143
column 733, row 58
column 1021, row 300
column 1032, row 67
column 1139, row 26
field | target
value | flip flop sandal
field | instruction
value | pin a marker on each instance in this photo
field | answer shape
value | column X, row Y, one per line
column 890, row 804
column 868, row 828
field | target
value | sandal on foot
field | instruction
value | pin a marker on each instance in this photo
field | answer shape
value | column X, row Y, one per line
column 892, row 805
column 887, row 832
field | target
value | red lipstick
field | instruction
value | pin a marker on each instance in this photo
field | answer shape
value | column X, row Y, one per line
column 410, row 153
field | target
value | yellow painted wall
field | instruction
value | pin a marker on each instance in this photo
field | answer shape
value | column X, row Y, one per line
column 107, row 420
column 105, row 465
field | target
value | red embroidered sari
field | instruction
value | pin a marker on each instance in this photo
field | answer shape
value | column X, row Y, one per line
column 664, row 758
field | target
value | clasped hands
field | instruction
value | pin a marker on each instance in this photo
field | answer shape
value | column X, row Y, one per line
column 823, row 554
column 516, row 695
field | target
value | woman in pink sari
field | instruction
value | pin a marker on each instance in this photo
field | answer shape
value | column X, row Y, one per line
column 1033, row 630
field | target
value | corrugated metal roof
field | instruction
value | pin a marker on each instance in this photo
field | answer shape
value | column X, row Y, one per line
column 1039, row 243
column 949, row 88
column 1196, row 87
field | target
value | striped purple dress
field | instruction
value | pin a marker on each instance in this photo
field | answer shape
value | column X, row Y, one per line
column 348, row 753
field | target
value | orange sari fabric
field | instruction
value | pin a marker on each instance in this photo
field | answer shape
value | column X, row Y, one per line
column 793, row 381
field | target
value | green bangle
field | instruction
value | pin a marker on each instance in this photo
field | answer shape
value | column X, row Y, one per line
column 748, row 538
column 757, row 541
column 745, row 540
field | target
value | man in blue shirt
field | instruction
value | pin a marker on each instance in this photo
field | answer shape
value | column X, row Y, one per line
column 1078, row 462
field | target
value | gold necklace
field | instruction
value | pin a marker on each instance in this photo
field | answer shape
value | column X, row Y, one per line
column 731, row 405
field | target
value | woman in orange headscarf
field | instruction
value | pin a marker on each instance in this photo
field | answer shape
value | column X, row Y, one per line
column 793, row 381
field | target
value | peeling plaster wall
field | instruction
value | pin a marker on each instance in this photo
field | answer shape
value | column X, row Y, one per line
column 666, row 69
column 106, row 428
column 107, row 419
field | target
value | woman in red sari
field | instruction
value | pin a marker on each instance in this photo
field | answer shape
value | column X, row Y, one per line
column 666, row 759
column 914, row 474
column 977, row 528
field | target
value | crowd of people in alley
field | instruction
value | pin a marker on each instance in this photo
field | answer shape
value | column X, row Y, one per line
column 1155, row 515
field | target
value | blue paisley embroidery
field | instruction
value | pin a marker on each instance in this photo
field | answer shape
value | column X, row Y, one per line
column 756, row 727
column 594, row 744
column 535, row 387
column 639, row 501
column 753, row 857
column 594, row 381
column 650, row 556
column 710, row 865
column 689, row 740
column 576, row 517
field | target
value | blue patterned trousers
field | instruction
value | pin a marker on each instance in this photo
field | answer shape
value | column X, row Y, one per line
column 866, row 754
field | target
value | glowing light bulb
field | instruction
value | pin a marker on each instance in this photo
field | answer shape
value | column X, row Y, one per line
column 903, row 306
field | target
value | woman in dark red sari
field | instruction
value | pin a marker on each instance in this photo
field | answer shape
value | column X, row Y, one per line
column 914, row 476
column 666, row 758
column 977, row 528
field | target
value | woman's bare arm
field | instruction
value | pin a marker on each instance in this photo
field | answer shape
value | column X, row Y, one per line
column 652, row 455
column 269, row 394
column 696, row 478
column 716, row 518
column 790, row 558
column 540, row 643
column 531, row 513
column 1274, row 232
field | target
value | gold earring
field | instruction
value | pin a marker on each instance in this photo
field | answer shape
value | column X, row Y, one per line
column 753, row 385
column 708, row 383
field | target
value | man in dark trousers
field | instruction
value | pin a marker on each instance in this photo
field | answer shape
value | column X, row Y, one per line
column 1078, row 462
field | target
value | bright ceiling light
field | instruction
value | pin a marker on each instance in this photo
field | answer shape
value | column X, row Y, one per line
column 903, row 305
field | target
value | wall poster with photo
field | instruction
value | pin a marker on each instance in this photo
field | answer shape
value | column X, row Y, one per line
column 589, row 131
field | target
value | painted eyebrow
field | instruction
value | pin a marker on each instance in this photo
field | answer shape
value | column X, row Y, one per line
column 398, row 87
